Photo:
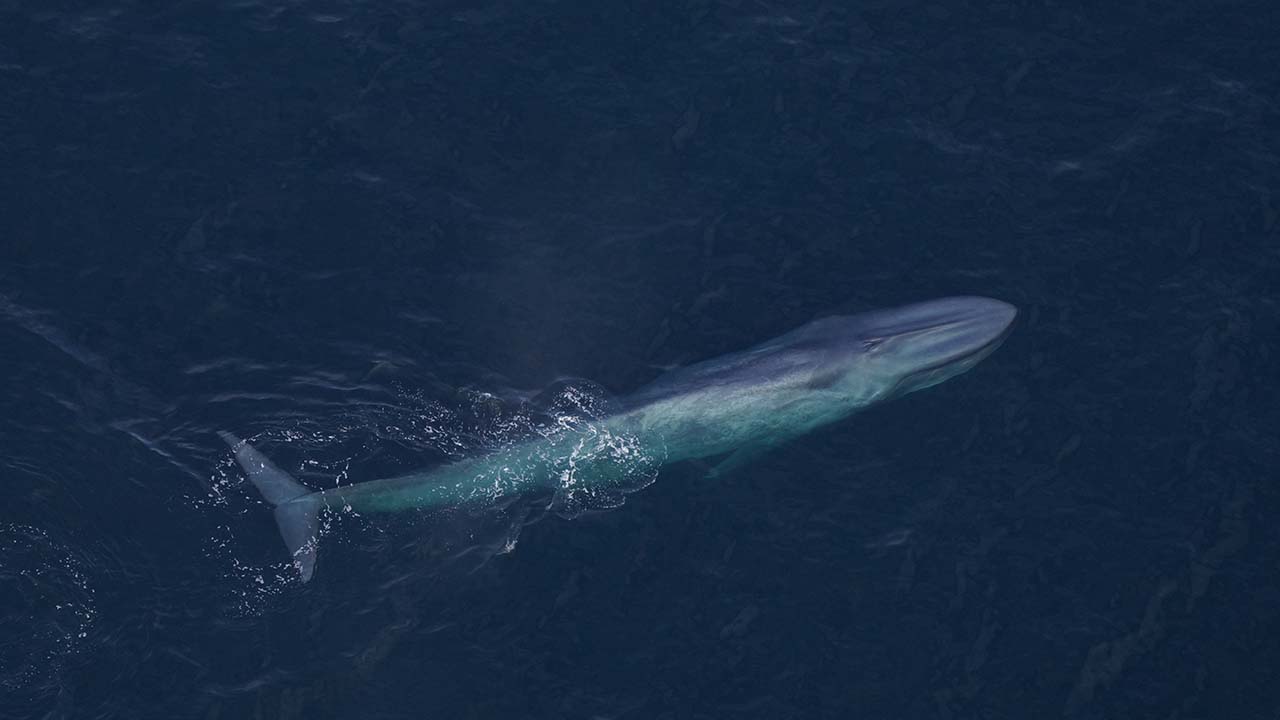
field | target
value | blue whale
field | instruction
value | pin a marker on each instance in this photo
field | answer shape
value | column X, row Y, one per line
column 735, row 406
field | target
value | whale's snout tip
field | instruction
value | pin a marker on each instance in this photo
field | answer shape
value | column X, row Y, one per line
column 997, row 315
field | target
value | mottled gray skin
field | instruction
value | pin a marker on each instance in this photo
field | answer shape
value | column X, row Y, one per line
column 760, row 397
column 739, row 403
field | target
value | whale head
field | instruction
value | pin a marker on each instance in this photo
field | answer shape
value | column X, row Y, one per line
column 894, row 351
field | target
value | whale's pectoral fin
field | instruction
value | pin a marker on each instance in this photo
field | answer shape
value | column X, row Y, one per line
column 467, row 538
column 744, row 455
column 297, row 506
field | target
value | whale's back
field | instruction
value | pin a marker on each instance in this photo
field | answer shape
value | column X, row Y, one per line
column 804, row 356
column 757, row 367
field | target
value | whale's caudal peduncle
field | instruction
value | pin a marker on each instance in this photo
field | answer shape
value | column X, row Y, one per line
column 734, row 405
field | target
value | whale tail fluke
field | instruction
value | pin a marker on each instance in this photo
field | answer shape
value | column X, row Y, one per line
column 297, row 507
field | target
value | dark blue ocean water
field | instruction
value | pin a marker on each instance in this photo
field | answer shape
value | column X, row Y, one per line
column 364, row 233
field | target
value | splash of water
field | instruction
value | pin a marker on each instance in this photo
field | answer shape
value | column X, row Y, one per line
column 50, row 611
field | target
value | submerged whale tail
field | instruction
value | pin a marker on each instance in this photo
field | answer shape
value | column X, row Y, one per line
column 297, row 507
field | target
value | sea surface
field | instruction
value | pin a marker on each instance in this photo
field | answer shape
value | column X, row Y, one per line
column 375, row 237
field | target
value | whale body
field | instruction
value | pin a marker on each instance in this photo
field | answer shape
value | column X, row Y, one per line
column 736, row 406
